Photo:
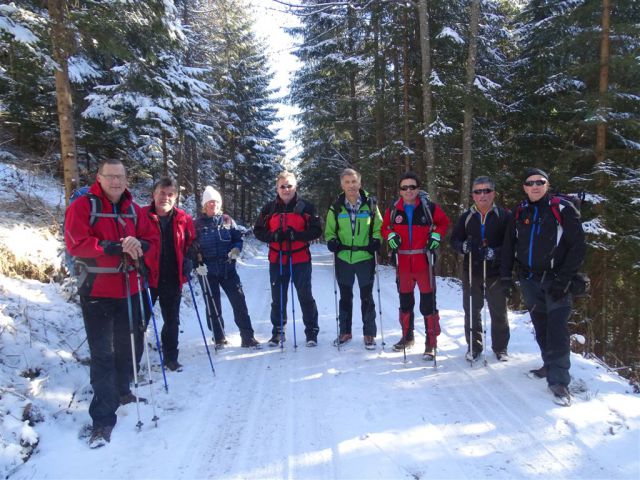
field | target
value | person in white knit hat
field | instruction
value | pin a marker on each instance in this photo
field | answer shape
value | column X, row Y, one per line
column 219, row 245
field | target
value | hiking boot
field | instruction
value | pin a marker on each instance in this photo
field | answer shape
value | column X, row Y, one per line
column 276, row 338
column 429, row 353
column 404, row 343
column 130, row 398
column 539, row 372
column 220, row 344
column 502, row 356
column 250, row 343
column 472, row 357
column 369, row 342
column 342, row 339
column 174, row 365
column 100, row 436
column 561, row 395
column 312, row 342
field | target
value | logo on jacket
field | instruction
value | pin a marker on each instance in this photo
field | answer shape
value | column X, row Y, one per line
column 398, row 219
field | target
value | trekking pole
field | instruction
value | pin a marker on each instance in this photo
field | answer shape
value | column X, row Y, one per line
column 293, row 303
column 432, row 282
column 471, row 316
column 132, row 337
column 484, row 303
column 375, row 260
column 215, row 307
column 281, row 298
column 204, row 338
column 335, row 297
column 146, row 351
column 155, row 331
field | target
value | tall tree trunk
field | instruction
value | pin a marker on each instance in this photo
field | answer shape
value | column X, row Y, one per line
column 467, row 129
column 355, row 126
column 60, row 39
column 179, row 161
column 378, row 73
column 165, row 155
column 406, row 79
column 427, row 99
column 601, row 128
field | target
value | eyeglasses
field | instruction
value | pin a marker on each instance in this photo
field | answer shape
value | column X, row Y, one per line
column 404, row 188
column 113, row 178
column 531, row 183
column 480, row 191
column 286, row 187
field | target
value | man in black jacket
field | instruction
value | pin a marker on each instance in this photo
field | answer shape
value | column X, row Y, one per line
column 546, row 241
column 478, row 235
column 288, row 224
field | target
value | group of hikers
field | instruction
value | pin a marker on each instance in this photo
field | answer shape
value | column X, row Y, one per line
column 128, row 257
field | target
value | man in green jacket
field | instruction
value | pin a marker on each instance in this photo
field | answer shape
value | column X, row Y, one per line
column 353, row 235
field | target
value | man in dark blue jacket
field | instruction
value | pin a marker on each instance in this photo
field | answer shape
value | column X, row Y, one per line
column 478, row 235
column 219, row 243
column 546, row 243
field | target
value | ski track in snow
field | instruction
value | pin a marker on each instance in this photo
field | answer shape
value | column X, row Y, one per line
column 349, row 413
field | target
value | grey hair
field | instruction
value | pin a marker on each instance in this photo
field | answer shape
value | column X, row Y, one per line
column 484, row 179
column 348, row 172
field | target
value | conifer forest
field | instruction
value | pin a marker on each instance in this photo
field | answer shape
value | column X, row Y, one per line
column 449, row 89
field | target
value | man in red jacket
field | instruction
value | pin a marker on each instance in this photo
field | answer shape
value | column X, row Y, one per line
column 171, row 272
column 102, row 229
column 414, row 228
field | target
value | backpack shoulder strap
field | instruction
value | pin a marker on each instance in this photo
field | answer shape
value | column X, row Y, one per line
column 299, row 208
column 96, row 208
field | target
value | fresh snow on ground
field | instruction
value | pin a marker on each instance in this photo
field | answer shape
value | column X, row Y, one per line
column 306, row 412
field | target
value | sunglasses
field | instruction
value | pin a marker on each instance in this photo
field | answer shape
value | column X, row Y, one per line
column 286, row 187
column 480, row 191
column 404, row 188
column 531, row 183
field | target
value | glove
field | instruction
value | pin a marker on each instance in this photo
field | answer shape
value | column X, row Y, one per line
column 111, row 247
column 434, row 241
column 288, row 235
column 374, row 246
column 394, row 241
column 202, row 270
column 466, row 246
column 507, row 287
column 334, row 245
column 234, row 253
column 487, row 253
column 291, row 234
column 187, row 266
column 558, row 290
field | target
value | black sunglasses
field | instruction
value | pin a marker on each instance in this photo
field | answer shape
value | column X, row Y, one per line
column 531, row 183
column 486, row 191
column 404, row 188
column 286, row 187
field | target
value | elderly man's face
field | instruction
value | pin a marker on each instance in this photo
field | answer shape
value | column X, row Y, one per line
column 113, row 180
column 536, row 187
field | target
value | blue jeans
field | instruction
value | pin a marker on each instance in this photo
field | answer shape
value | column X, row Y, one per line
column 106, row 321
column 551, row 323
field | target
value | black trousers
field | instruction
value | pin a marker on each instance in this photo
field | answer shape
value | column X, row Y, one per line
column 108, row 327
column 280, row 278
column 346, row 273
column 169, row 296
column 551, row 323
column 497, row 304
column 230, row 283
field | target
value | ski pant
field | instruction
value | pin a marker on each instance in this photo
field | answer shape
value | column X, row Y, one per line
column 106, row 321
column 407, row 304
column 169, row 295
column 497, row 309
column 551, row 323
column 346, row 274
column 302, row 282
column 230, row 283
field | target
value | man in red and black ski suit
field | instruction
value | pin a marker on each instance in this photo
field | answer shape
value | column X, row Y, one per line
column 288, row 224
column 413, row 232
column 166, row 278
column 120, row 230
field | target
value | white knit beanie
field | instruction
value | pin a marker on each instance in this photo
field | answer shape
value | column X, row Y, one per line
column 210, row 194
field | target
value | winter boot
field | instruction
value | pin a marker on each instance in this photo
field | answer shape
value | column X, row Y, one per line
column 539, row 372
column 407, row 340
column 342, row 339
column 100, row 436
column 276, row 338
column 561, row 395
column 174, row 366
column 251, row 343
column 429, row 353
column 369, row 342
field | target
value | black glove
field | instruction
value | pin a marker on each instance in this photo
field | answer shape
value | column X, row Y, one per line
column 558, row 290
column 278, row 236
column 487, row 253
column 374, row 246
column 187, row 266
column 111, row 247
column 507, row 286
column 334, row 245
column 291, row 234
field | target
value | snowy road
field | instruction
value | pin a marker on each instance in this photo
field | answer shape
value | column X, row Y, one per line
column 324, row 413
